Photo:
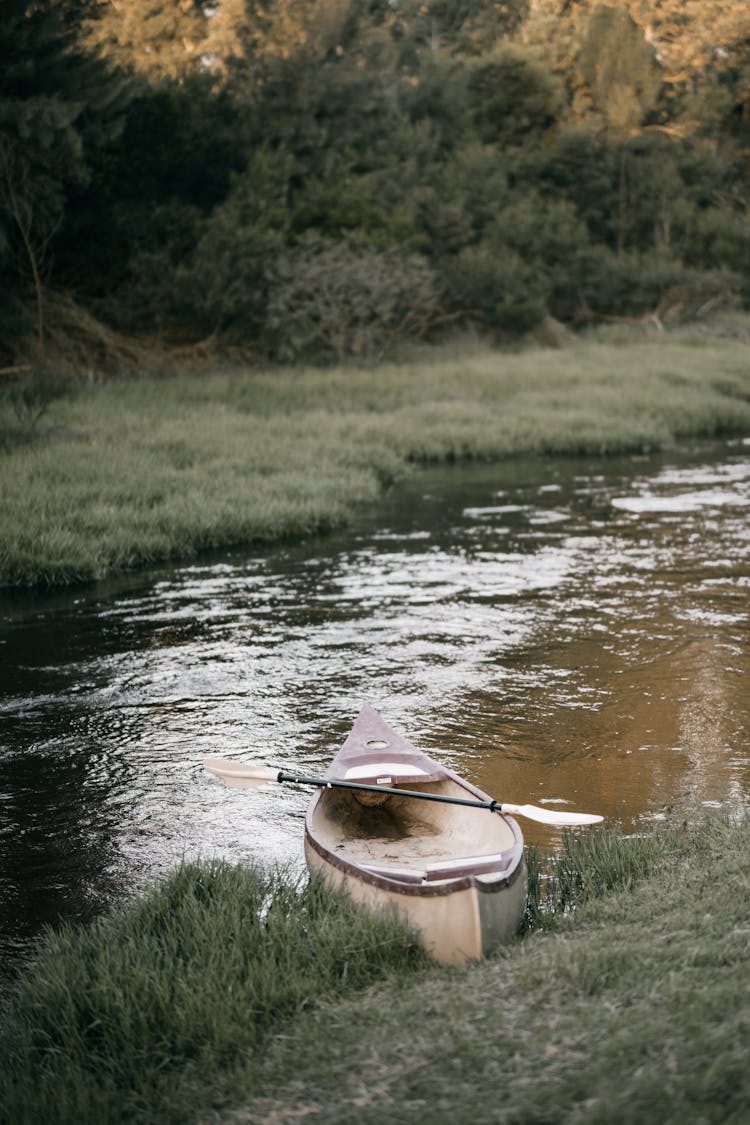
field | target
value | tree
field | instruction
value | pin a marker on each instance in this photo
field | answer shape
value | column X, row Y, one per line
column 579, row 168
column 150, row 194
column 620, row 70
column 54, row 104
column 700, row 51
column 34, row 221
column 695, row 42
column 511, row 96
column 155, row 39
column 451, row 28
column 224, row 287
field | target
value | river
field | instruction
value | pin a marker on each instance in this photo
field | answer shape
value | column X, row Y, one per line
column 563, row 631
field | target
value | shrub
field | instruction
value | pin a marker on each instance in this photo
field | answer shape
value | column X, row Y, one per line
column 492, row 286
column 631, row 285
column 332, row 300
column 33, row 396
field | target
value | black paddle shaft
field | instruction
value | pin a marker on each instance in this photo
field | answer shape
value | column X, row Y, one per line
column 330, row 783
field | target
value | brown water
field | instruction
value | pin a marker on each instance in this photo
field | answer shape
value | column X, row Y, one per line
column 564, row 631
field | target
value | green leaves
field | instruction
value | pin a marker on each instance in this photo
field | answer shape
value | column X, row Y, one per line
column 512, row 96
column 332, row 301
column 175, row 161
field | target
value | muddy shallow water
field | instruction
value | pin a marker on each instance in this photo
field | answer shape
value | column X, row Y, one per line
column 557, row 630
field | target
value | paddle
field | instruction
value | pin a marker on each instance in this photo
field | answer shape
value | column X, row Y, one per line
column 251, row 775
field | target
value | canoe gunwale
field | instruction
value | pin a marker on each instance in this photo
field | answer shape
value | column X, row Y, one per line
column 426, row 889
column 476, row 874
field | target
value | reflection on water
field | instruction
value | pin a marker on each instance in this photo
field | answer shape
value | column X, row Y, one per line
column 557, row 630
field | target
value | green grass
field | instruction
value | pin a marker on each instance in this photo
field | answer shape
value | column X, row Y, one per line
column 230, row 995
column 591, row 865
column 634, row 1008
column 146, row 1013
column 139, row 471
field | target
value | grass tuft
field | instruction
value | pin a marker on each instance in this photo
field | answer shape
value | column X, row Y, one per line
column 592, row 864
column 138, row 1015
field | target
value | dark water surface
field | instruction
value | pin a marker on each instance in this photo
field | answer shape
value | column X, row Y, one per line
column 556, row 630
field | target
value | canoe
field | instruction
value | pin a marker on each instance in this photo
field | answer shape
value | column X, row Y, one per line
column 457, row 875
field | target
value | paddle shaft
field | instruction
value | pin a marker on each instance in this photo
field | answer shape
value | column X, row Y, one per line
column 330, row 783
column 252, row 775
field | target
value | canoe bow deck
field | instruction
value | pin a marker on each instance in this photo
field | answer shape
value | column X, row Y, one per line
column 456, row 874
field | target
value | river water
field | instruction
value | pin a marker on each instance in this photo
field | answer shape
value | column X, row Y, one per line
column 569, row 631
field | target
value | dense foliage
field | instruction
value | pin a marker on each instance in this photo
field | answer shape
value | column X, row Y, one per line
column 320, row 178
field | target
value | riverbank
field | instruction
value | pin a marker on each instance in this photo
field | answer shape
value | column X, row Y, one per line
column 211, row 998
column 635, row 1009
column 138, row 471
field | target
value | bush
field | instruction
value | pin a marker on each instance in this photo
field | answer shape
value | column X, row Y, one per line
column 631, row 285
column 332, row 300
column 492, row 286
column 33, row 396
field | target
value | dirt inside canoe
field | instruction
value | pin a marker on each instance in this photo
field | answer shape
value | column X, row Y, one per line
column 403, row 832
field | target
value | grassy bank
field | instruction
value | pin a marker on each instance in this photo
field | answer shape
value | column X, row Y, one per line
column 636, row 1009
column 138, row 471
column 228, row 995
column 148, row 1013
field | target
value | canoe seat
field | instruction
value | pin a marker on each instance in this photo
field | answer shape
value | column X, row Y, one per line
column 453, row 868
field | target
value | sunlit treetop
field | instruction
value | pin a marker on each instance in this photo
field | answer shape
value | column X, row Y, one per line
column 159, row 39
column 169, row 39
column 695, row 45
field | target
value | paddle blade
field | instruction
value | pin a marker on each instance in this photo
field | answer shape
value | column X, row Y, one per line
column 241, row 775
column 552, row 816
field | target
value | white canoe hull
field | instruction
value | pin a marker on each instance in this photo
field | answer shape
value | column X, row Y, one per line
column 457, row 923
column 456, row 875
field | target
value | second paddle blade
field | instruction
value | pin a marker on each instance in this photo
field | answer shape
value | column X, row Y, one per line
column 241, row 775
column 552, row 816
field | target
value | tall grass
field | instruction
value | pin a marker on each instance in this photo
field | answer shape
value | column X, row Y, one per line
column 633, row 1009
column 142, row 470
column 146, row 1013
column 593, row 864
column 231, row 995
